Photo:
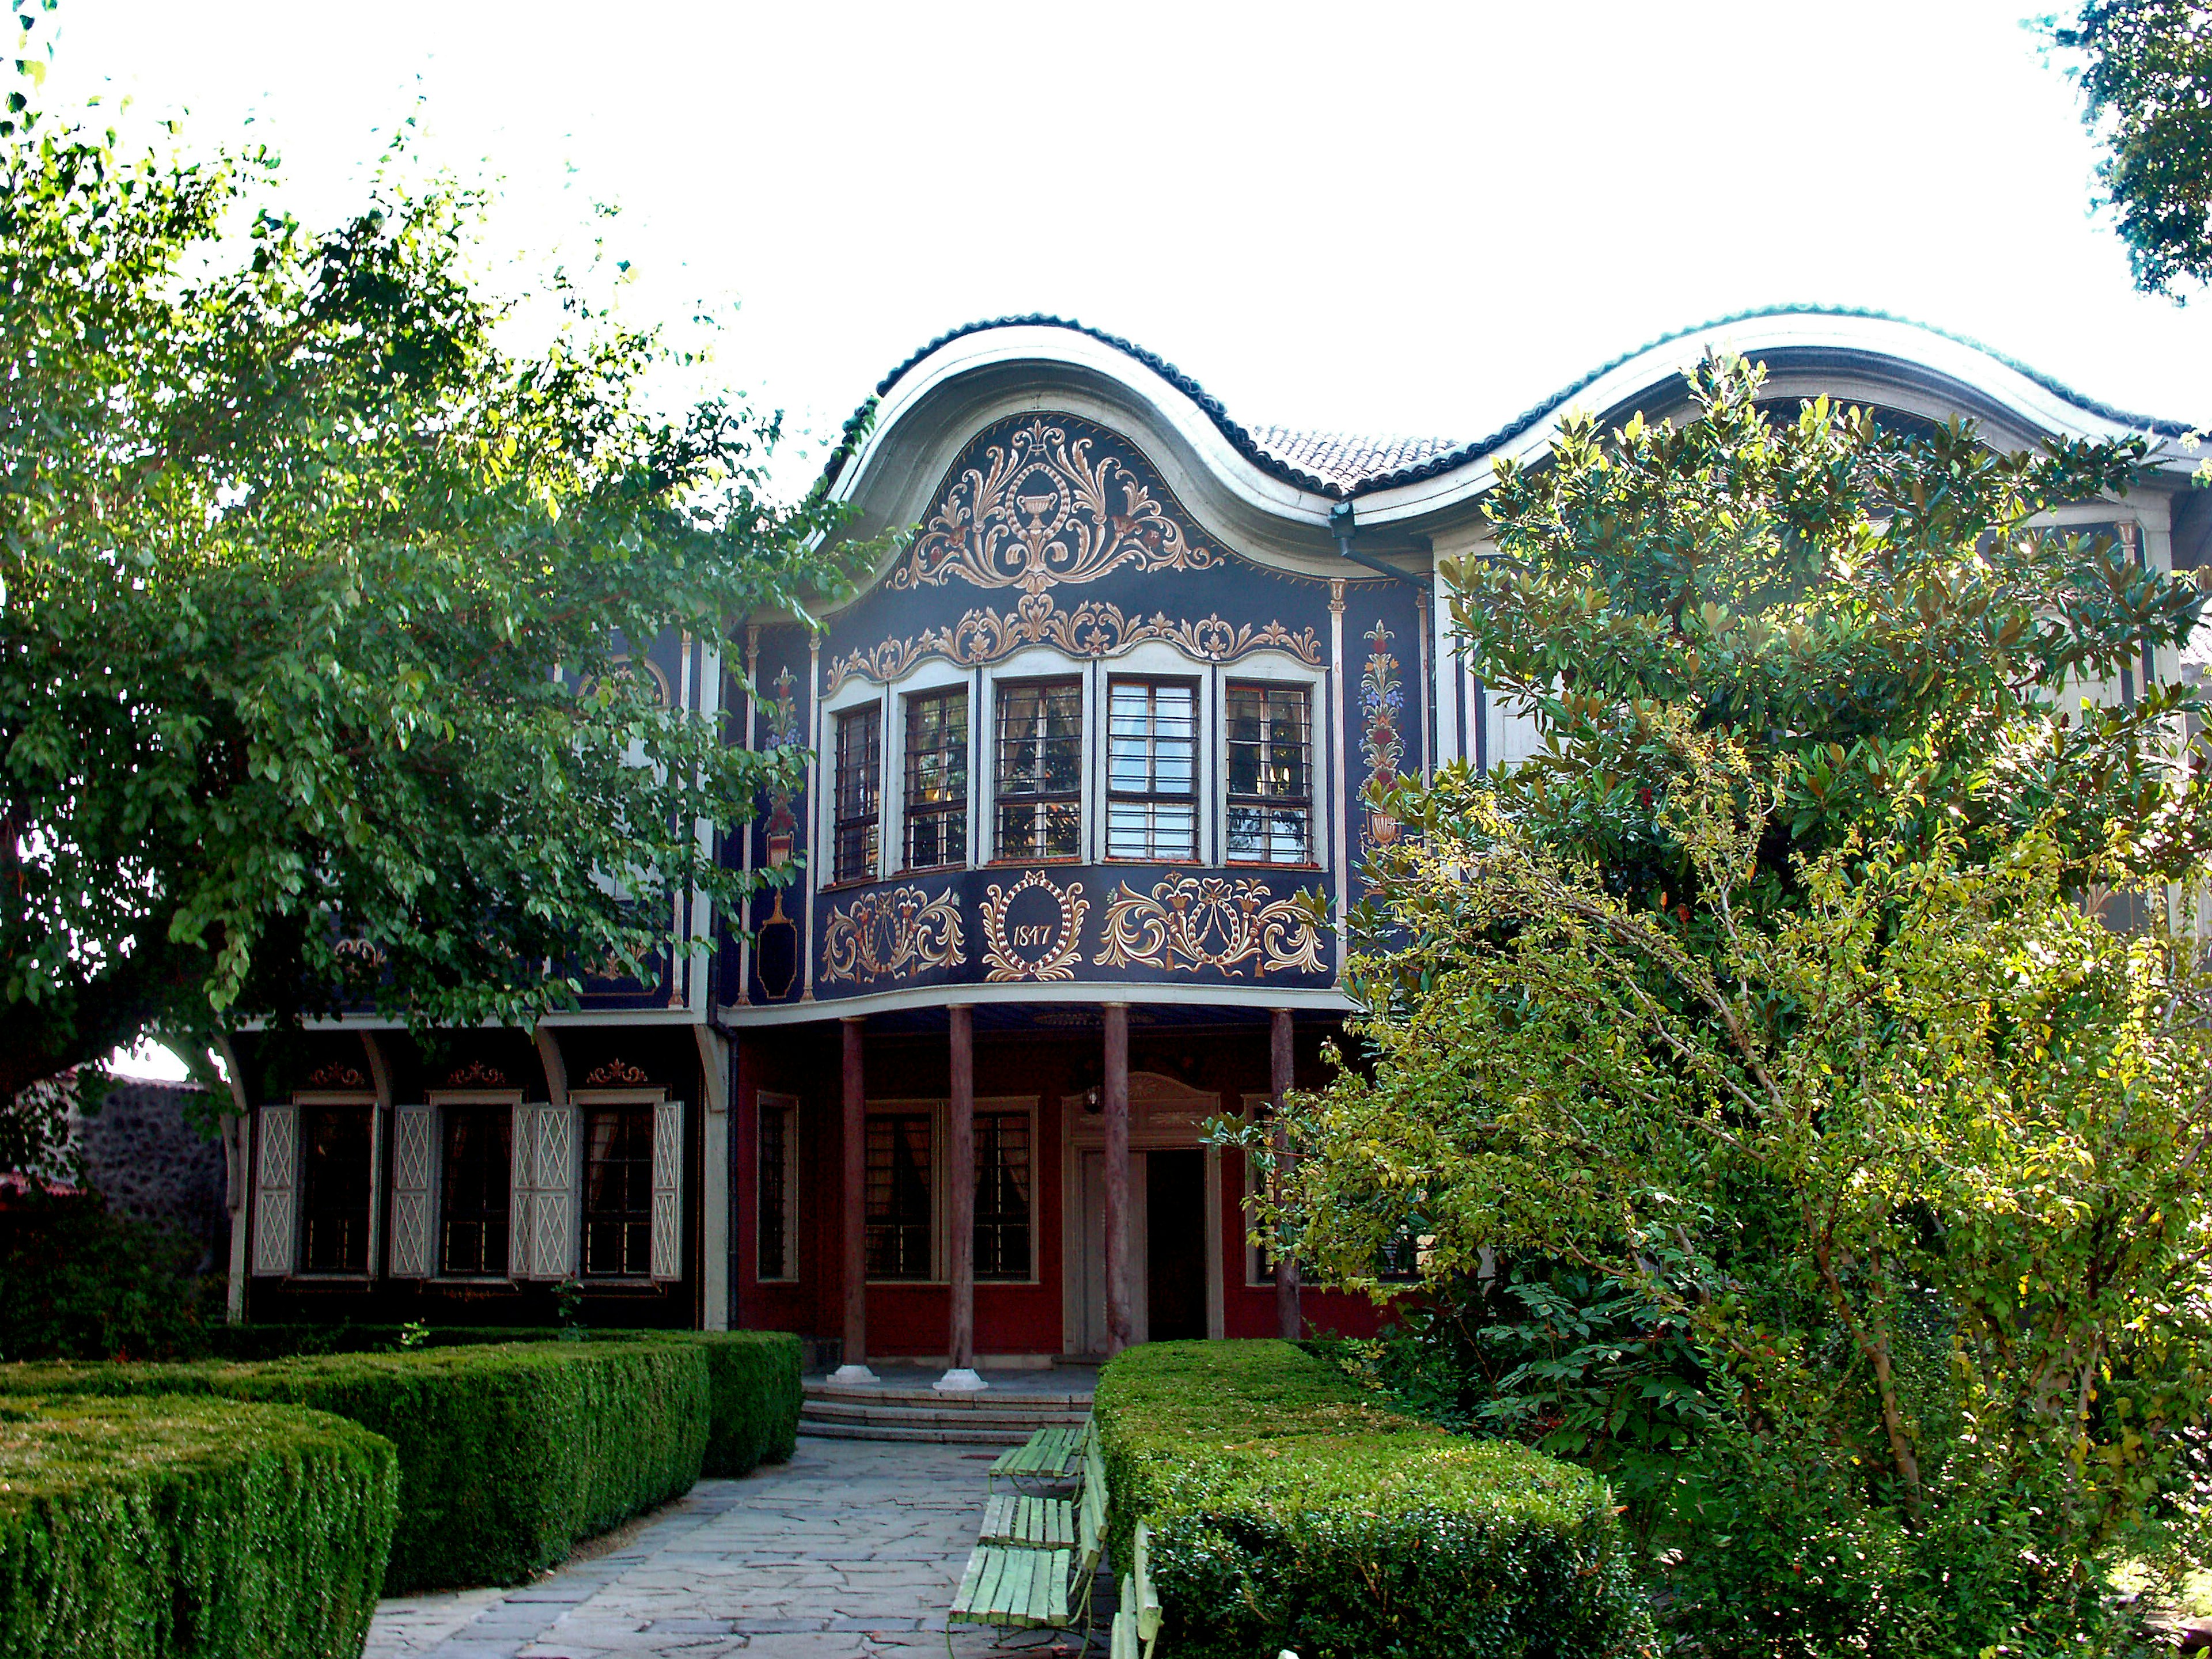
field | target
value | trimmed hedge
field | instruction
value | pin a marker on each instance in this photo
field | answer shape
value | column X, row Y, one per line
column 753, row 1376
column 138, row 1527
column 508, row 1454
column 1286, row 1510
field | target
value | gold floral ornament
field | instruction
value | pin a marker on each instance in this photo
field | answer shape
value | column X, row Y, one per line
column 475, row 1075
column 1190, row 922
column 615, row 1071
column 1034, row 929
column 902, row 930
column 337, row 1076
column 1040, row 510
column 1093, row 629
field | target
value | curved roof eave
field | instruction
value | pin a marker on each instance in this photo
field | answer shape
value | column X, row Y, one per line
column 1454, row 478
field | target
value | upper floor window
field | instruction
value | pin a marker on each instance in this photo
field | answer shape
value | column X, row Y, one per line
column 478, row 1167
column 1151, row 771
column 334, row 1174
column 858, row 792
column 1039, row 769
column 1270, row 732
column 936, row 778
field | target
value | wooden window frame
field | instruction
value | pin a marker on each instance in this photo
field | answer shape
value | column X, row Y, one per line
column 766, row 1100
column 302, row 1105
column 951, row 815
column 1234, row 800
column 933, row 1112
column 647, row 1102
column 856, row 793
column 1152, row 797
column 442, row 1105
column 1040, row 800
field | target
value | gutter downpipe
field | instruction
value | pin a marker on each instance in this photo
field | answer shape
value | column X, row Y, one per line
column 1343, row 524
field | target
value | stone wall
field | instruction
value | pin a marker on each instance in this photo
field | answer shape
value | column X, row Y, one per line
column 150, row 1163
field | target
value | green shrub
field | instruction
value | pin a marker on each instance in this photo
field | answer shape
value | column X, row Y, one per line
column 135, row 1527
column 1286, row 1510
column 507, row 1454
column 78, row 1281
column 754, row 1390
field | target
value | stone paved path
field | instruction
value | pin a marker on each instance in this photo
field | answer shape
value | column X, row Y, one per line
column 852, row 1549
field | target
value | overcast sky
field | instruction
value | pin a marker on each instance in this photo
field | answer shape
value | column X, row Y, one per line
column 1390, row 219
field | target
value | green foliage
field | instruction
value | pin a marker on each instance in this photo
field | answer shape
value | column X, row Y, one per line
column 754, row 1391
column 2146, row 82
column 1774, row 994
column 79, row 1282
column 322, row 611
column 133, row 1529
column 508, row 1454
column 1286, row 1510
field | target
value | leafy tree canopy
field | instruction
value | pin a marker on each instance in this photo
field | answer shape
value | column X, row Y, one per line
column 1771, row 994
column 322, row 608
column 2146, row 79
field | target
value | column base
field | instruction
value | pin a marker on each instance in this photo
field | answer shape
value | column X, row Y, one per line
column 847, row 1376
column 960, row 1381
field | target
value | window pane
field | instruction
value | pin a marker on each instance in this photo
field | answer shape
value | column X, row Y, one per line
column 1002, row 1195
column 474, row 1201
column 1040, row 770
column 334, row 1180
column 619, row 1191
column 858, row 781
column 936, row 778
column 1153, row 770
column 775, row 1149
column 1269, row 774
column 898, row 1196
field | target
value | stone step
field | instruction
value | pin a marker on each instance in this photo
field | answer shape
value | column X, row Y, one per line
column 1017, row 1424
column 979, row 1400
column 955, row 1434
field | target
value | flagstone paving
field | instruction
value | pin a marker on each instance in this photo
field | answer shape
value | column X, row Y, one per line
column 852, row 1549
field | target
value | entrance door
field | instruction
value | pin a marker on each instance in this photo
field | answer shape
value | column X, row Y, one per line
column 1175, row 1245
column 1090, row 1176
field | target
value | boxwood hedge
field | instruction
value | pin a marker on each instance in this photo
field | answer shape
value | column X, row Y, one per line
column 753, row 1377
column 168, row 1526
column 507, row 1454
column 1287, row 1510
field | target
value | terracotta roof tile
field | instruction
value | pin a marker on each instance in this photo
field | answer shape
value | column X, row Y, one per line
column 1346, row 458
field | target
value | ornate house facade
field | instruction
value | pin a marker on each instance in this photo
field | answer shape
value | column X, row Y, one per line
column 1069, row 873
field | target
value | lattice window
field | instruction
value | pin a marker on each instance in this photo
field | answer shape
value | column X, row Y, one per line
column 901, row 1161
column 936, row 778
column 1270, row 774
column 1151, row 771
column 1039, row 785
column 477, row 1195
column 334, row 1171
column 618, row 1192
column 779, row 1187
column 1002, row 1195
column 859, row 793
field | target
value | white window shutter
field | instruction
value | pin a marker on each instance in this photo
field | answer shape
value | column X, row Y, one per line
column 521, row 1194
column 412, row 1140
column 553, row 1200
column 276, row 1178
column 667, row 1189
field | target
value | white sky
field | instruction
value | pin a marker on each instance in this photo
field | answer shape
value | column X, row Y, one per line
column 1384, row 218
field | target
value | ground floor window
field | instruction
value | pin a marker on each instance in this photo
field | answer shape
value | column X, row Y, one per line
column 901, row 1157
column 779, row 1185
column 478, row 1165
column 1002, row 1195
column 618, row 1192
column 334, row 1177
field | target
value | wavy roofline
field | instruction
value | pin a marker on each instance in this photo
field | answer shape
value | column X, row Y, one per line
column 1240, row 437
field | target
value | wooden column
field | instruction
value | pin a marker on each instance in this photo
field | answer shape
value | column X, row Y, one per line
column 1280, row 1062
column 960, row 1344
column 1119, row 1325
column 853, row 1212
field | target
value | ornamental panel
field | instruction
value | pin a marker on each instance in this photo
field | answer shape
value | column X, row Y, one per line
column 904, row 931
column 1227, row 924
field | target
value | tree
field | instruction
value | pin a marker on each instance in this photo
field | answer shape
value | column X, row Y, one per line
column 321, row 610
column 1770, row 993
column 2147, row 96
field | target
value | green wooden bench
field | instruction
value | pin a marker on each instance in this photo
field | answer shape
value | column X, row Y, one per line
column 1033, row 1567
column 1048, row 1457
column 1137, row 1625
